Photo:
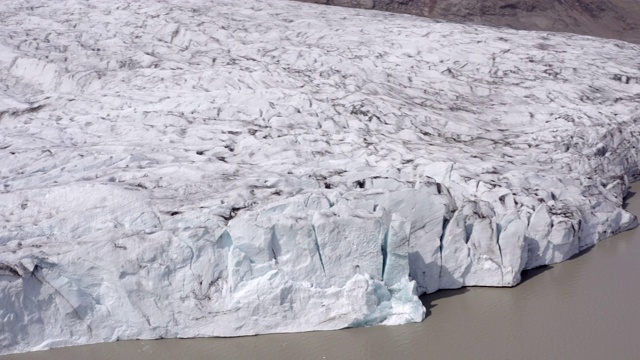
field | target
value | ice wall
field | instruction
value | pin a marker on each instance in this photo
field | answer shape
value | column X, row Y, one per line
column 182, row 169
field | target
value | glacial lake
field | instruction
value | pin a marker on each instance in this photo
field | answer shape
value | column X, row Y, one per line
column 586, row 308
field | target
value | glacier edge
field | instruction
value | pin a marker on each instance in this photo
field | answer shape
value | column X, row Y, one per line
column 237, row 169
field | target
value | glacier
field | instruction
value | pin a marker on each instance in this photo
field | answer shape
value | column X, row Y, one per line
column 224, row 168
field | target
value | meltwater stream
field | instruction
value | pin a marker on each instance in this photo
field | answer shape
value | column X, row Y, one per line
column 583, row 308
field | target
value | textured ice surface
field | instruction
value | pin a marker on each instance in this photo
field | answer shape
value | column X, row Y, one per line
column 198, row 168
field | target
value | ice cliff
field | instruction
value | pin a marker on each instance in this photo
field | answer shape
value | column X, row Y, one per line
column 221, row 168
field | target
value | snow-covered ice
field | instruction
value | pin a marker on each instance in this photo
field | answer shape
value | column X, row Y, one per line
column 220, row 168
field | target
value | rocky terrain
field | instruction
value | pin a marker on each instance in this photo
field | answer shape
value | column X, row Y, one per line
column 615, row 19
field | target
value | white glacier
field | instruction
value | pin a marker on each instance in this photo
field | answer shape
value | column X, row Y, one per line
column 223, row 168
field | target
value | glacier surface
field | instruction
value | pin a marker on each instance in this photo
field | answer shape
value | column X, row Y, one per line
column 223, row 168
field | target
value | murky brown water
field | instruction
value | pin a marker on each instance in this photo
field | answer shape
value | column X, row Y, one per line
column 586, row 308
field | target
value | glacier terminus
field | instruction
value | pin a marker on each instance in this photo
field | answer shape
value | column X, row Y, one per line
column 193, row 168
